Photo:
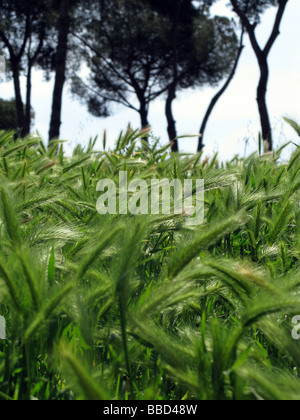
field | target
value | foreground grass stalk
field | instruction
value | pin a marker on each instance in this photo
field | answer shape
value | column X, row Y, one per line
column 123, row 320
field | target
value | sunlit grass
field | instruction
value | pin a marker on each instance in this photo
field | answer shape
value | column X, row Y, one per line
column 103, row 307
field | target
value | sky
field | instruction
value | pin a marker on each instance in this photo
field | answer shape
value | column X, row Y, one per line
column 234, row 125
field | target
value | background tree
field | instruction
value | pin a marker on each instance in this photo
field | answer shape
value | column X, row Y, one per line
column 141, row 50
column 126, row 55
column 249, row 13
column 205, row 60
column 182, row 47
column 63, row 28
column 63, row 55
column 23, row 29
column 203, row 52
column 218, row 95
column 202, row 48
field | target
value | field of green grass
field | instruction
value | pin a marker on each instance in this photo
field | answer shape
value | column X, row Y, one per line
column 146, row 307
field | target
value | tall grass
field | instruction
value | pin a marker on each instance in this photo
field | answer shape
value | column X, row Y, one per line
column 118, row 307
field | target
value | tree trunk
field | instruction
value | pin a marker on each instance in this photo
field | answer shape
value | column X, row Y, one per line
column 144, row 116
column 19, row 102
column 60, row 69
column 144, row 119
column 172, row 90
column 219, row 94
column 171, row 122
column 27, row 124
column 262, row 104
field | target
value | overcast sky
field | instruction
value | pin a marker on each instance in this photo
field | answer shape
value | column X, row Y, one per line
column 234, row 125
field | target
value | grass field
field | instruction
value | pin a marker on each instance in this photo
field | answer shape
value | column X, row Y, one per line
column 146, row 307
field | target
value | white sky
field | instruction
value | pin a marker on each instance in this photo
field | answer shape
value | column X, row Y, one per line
column 234, row 125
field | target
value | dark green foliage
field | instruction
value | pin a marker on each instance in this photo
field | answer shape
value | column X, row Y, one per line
column 8, row 115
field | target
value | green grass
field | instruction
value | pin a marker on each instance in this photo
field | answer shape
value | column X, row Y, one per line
column 123, row 307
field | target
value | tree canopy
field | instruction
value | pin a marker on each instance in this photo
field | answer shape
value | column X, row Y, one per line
column 254, row 9
column 137, row 51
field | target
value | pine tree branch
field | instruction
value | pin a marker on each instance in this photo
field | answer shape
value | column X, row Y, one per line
column 275, row 32
column 249, row 27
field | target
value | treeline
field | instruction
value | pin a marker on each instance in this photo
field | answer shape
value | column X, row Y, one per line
column 135, row 51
